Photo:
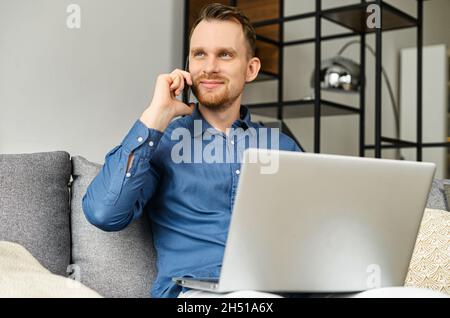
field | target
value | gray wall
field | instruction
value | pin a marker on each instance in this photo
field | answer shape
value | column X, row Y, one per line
column 81, row 90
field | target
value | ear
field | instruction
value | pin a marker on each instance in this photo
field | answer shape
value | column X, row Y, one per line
column 253, row 67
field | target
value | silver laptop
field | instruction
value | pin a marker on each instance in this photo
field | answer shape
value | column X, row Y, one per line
column 321, row 223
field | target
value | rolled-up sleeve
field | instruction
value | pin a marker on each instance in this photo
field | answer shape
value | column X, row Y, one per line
column 116, row 196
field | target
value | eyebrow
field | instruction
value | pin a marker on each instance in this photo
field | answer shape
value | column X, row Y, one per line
column 221, row 49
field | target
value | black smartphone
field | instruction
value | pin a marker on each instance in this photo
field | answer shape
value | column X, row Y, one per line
column 186, row 96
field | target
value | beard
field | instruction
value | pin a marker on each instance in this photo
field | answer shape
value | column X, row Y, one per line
column 218, row 99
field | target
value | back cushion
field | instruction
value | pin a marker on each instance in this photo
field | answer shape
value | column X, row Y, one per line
column 115, row 264
column 34, row 206
column 430, row 262
column 437, row 196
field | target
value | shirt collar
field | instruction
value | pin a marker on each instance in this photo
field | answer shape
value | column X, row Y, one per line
column 243, row 122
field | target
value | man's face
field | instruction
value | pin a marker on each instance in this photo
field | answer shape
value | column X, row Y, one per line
column 218, row 63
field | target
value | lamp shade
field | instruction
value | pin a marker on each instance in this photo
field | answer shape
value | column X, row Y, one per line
column 339, row 74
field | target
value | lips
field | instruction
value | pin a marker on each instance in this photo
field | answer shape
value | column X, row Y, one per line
column 211, row 84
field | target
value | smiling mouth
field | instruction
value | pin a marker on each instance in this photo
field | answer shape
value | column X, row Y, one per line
column 211, row 85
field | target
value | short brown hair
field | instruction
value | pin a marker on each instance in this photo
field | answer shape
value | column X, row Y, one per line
column 218, row 11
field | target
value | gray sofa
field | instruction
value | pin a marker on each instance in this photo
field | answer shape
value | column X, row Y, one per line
column 40, row 208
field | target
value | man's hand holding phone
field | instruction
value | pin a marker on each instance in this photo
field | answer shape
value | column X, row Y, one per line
column 165, row 106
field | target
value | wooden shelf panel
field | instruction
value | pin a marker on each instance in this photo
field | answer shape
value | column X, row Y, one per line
column 301, row 109
column 260, row 10
column 354, row 17
column 196, row 5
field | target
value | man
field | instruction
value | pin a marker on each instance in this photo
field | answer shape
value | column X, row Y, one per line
column 189, row 200
column 188, row 187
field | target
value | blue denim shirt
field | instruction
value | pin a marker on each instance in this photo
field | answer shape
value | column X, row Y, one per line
column 189, row 201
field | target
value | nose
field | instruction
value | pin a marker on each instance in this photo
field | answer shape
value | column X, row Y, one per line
column 211, row 66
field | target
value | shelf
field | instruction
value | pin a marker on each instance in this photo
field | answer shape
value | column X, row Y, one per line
column 266, row 76
column 354, row 17
column 390, row 143
column 323, row 38
column 424, row 145
column 301, row 109
column 267, row 17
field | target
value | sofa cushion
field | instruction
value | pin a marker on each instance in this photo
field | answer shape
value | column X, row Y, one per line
column 34, row 206
column 437, row 198
column 430, row 263
column 115, row 264
column 22, row 276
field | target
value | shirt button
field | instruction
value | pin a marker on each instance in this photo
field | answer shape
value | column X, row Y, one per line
column 151, row 144
column 238, row 171
column 140, row 139
column 128, row 174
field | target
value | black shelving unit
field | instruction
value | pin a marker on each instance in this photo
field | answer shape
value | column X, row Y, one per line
column 353, row 18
